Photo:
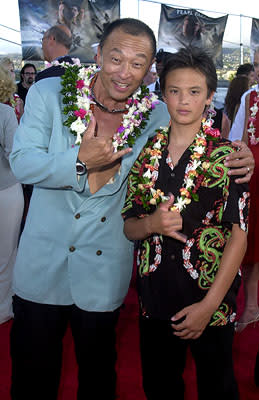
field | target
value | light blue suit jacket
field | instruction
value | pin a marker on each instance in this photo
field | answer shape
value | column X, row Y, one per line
column 72, row 250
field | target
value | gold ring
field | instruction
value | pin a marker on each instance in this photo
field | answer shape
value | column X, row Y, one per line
column 248, row 170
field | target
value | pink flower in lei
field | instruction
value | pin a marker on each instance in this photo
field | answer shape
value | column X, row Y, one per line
column 80, row 113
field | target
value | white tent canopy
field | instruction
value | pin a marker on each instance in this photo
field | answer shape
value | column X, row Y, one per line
column 237, row 31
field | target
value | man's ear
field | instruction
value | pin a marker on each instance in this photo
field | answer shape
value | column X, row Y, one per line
column 152, row 62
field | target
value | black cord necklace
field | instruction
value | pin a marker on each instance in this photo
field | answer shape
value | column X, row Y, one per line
column 102, row 107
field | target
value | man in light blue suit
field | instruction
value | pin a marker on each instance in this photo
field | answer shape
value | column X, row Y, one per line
column 74, row 263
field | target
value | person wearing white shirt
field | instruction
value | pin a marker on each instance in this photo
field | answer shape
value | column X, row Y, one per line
column 236, row 131
column 237, row 128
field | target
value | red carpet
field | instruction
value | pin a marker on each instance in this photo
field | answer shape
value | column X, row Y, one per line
column 128, row 366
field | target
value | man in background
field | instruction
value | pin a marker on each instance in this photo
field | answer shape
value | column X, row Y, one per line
column 27, row 78
column 247, row 69
column 150, row 78
column 56, row 43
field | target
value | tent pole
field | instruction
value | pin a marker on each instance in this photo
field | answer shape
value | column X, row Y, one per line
column 241, row 43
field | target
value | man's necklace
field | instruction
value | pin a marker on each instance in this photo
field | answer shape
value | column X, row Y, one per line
column 79, row 100
column 103, row 107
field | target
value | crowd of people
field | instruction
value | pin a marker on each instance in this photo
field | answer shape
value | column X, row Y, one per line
column 107, row 179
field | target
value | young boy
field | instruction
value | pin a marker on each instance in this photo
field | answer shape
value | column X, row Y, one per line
column 187, row 288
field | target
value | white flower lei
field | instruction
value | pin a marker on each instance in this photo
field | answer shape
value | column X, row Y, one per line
column 78, row 105
column 251, row 128
column 198, row 163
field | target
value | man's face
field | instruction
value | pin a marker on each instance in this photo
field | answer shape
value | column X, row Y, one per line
column 186, row 95
column 45, row 44
column 124, row 61
column 29, row 76
column 251, row 78
column 256, row 66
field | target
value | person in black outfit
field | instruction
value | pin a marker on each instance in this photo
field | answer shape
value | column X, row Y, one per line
column 187, row 291
column 27, row 78
column 56, row 43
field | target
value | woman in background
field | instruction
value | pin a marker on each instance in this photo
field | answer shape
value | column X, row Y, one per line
column 11, row 199
column 237, row 87
column 250, row 268
column 14, row 101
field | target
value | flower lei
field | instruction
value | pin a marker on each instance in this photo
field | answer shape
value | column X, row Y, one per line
column 251, row 128
column 197, row 168
column 78, row 102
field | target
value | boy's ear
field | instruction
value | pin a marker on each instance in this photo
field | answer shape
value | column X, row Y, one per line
column 209, row 99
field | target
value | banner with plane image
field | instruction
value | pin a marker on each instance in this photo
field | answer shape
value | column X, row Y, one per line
column 188, row 27
column 254, row 39
column 85, row 18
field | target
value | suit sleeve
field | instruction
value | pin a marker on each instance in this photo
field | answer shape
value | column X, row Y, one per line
column 42, row 155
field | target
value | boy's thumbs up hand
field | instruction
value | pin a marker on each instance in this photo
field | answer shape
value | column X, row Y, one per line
column 167, row 222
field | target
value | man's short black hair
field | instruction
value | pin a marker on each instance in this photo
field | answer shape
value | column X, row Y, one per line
column 27, row 65
column 133, row 27
column 195, row 58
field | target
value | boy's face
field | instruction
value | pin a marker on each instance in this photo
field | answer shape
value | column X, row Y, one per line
column 186, row 95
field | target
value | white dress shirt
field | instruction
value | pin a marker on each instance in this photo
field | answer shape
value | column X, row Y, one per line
column 236, row 131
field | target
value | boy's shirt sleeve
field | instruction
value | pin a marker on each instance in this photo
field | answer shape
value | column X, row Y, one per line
column 237, row 205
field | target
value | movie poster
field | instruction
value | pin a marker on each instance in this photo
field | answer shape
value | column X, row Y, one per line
column 85, row 18
column 185, row 27
column 254, row 40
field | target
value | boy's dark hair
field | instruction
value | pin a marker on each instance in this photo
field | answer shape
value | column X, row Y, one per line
column 131, row 26
column 195, row 58
column 245, row 69
column 27, row 65
column 162, row 55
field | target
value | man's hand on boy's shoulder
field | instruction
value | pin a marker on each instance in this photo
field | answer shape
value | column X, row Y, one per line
column 241, row 162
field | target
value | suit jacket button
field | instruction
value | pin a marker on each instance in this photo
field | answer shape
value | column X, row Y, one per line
column 172, row 257
column 103, row 219
column 72, row 248
column 77, row 216
column 99, row 252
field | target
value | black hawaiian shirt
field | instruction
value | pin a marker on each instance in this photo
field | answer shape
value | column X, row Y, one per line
column 171, row 274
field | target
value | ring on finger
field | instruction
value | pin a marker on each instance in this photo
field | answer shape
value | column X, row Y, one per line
column 248, row 170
